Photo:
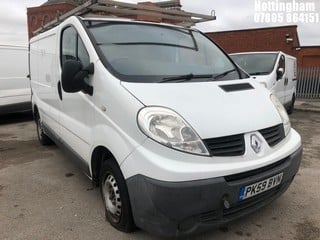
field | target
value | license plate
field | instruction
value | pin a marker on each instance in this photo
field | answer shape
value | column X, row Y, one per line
column 260, row 187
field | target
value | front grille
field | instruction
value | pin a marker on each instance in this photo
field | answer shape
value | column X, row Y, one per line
column 226, row 146
column 273, row 135
column 234, row 145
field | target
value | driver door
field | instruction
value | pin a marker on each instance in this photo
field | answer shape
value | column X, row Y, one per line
column 76, row 108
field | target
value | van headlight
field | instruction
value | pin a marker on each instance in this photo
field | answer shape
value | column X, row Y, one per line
column 283, row 114
column 168, row 128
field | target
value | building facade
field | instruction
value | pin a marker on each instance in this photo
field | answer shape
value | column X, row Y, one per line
column 283, row 38
column 309, row 56
column 40, row 16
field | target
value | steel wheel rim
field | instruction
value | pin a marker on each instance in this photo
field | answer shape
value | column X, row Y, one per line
column 111, row 195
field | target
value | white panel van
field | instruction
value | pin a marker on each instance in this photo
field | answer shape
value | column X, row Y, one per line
column 177, row 136
column 277, row 71
column 15, row 93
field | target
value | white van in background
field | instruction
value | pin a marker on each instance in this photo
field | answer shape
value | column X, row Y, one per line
column 277, row 71
column 179, row 138
column 15, row 92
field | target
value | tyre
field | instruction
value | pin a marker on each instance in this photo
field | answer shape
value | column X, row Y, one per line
column 115, row 197
column 42, row 137
column 290, row 109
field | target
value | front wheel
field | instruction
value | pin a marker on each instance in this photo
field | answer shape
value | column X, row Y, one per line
column 115, row 197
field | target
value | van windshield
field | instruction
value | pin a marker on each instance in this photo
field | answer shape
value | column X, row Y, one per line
column 256, row 64
column 139, row 52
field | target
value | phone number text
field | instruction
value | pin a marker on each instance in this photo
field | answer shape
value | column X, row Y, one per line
column 262, row 17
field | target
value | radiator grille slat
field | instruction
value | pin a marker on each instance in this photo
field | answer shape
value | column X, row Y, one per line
column 226, row 146
column 273, row 135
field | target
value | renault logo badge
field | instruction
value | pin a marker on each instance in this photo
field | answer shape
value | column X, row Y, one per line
column 255, row 143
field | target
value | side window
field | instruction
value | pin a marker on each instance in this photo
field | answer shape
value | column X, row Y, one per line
column 69, row 43
column 73, row 48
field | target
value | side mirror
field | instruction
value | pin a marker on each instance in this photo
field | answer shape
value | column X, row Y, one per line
column 73, row 76
column 280, row 73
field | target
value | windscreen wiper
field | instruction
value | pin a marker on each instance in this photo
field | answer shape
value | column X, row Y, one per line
column 224, row 74
column 190, row 76
column 259, row 73
column 186, row 77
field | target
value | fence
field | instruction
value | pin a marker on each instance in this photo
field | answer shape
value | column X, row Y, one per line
column 308, row 85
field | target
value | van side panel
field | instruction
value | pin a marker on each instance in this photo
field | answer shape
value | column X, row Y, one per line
column 43, row 71
column 14, row 84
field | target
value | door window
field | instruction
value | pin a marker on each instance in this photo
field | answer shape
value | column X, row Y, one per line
column 282, row 63
column 73, row 48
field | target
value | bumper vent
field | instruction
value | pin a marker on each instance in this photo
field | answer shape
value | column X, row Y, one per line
column 273, row 135
column 226, row 146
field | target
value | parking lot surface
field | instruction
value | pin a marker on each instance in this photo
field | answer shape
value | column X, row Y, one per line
column 43, row 195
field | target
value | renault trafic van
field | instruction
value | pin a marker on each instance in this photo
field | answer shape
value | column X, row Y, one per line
column 15, row 93
column 176, row 135
column 277, row 71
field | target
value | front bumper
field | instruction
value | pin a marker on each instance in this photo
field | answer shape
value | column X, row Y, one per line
column 182, row 208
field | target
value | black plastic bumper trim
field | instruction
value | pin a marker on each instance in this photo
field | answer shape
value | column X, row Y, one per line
column 174, row 209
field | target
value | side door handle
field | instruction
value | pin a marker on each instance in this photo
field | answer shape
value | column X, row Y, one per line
column 59, row 90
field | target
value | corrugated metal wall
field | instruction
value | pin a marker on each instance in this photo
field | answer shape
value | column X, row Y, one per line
column 308, row 85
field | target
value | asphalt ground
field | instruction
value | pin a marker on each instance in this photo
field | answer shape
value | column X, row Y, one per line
column 43, row 195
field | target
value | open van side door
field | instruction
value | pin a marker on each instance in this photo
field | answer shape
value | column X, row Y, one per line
column 291, row 76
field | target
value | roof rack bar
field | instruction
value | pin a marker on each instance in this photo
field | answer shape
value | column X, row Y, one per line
column 155, row 9
column 183, row 18
column 144, row 13
column 76, row 11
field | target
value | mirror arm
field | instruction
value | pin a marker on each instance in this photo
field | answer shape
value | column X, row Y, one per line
column 80, row 76
column 88, row 89
column 89, row 69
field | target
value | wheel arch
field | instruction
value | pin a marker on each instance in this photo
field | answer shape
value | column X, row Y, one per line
column 35, row 111
column 98, row 156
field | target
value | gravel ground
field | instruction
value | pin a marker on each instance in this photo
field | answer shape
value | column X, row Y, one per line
column 43, row 195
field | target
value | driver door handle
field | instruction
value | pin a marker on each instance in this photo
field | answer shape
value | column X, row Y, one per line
column 286, row 80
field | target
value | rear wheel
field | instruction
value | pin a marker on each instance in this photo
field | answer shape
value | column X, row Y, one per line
column 42, row 137
column 115, row 197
